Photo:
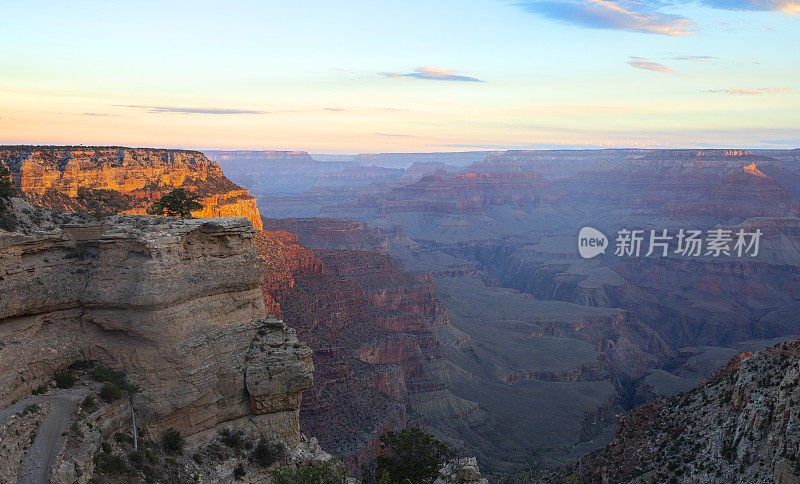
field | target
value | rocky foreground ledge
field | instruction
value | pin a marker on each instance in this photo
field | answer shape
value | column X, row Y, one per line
column 176, row 304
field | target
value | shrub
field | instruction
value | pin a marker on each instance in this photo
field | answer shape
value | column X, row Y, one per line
column 172, row 441
column 64, row 379
column 110, row 392
column 7, row 189
column 80, row 365
column 112, row 464
column 136, row 457
column 325, row 473
column 239, row 472
column 232, row 438
column 102, row 373
column 102, row 202
column 30, row 409
column 7, row 219
column 106, row 447
column 267, row 453
column 88, row 402
column 121, row 438
column 411, row 454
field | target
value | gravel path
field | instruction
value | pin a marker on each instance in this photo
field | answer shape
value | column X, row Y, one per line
column 41, row 456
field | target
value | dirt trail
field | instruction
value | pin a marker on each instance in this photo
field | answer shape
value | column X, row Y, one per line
column 41, row 456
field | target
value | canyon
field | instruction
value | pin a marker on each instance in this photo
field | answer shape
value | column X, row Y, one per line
column 445, row 291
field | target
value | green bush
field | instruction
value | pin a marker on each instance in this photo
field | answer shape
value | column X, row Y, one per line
column 172, row 441
column 112, row 464
column 267, row 453
column 412, row 455
column 7, row 220
column 239, row 472
column 102, row 202
column 30, row 409
column 89, row 402
column 102, row 373
column 136, row 457
column 110, row 392
column 7, row 190
column 64, row 379
column 326, row 473
column 232, row 438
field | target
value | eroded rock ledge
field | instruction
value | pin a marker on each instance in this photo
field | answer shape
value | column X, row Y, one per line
column 177, row 304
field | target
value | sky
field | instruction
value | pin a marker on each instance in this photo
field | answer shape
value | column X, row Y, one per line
column 411, row 76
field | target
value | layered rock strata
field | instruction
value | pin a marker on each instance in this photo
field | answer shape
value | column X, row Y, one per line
column 64, row 177
column 177, row 304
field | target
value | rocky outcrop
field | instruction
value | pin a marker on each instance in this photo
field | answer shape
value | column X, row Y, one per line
column 64, row 177
column 177, row 304
column 461, row 471
column 741, row 425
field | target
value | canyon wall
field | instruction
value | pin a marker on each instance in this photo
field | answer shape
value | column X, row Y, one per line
column 369, row 323
column 177, row 304
column 64, row 177
column 740, row 425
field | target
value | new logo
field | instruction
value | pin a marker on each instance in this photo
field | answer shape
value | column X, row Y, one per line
column 591, row 242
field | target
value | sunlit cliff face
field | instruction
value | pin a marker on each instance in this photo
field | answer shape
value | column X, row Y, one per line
column 54, row 177
column 751, row 169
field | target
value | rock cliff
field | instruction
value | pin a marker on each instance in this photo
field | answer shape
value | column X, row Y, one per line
column 741, row 425
column 65, row 178
column 177, row 304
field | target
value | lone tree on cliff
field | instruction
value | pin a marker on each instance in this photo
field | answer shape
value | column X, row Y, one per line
column 177, row 203
column 410, row 455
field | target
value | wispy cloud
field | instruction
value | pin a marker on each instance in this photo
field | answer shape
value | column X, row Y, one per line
column 184, row 110
column 392, row 135
column 790, row 7
column 695, row 58
column 433, row 74
column 753, row 92
column 647, row 64
column 98, row 114
column 629, row 15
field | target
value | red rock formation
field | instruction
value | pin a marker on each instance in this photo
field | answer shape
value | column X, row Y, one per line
column 369, row 324
column 282, row 257
column 53, row 176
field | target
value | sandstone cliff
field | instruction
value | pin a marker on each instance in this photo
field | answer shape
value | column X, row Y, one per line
column 63, row 178
column 177, row 304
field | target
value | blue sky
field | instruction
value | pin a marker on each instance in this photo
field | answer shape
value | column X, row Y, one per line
column 401, row 76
